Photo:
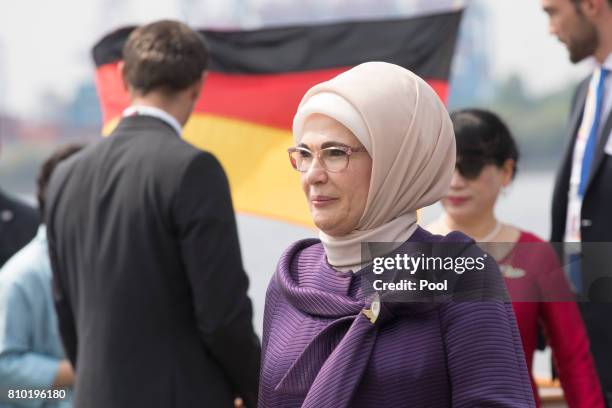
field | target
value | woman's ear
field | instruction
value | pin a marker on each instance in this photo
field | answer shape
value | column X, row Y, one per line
column 508, row 171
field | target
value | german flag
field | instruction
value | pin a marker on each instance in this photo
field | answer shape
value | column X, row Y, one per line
column 256, row 81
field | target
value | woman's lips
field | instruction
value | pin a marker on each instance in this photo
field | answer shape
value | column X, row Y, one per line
column 457, row 201
column 322, row 201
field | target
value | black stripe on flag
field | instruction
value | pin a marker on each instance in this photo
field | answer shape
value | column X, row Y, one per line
column 423, row 44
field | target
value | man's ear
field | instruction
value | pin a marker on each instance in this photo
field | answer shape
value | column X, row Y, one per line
column 591, row 8
column 120, row 69
column 196, row 88
column 198, row 85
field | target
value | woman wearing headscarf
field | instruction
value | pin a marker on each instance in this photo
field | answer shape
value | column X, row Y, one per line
column 373, row 145
column 487, row 157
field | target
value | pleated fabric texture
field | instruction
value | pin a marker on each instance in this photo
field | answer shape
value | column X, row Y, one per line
column 320, row 351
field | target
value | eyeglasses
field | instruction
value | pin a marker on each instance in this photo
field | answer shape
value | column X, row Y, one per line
column 470, row 169
column 333, row 159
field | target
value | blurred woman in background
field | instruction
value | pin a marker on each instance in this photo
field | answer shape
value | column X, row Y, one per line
column 487, row 157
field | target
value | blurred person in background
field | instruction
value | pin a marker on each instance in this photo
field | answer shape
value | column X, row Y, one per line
column 487, row 158
column 18, row 224
column 150, row 289
column 31, row 352
column 582, row 196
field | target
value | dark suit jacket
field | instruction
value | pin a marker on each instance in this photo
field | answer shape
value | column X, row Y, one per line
column 149, row 285
column 18, row 226
column 596, row 234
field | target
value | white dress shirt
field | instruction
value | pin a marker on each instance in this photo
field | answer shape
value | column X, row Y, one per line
column 574, row 206
column 156, row 113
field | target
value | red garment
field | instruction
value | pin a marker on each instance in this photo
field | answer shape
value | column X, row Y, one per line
column 532, row 272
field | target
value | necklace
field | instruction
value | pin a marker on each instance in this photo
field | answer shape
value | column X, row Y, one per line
column 492, row 234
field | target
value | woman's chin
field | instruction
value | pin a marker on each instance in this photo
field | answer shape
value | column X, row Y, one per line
column 331, row 227
column 323, row 218
column 460, row 212
column 325, row 226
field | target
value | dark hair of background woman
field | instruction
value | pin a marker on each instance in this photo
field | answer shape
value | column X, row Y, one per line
column 482, row 135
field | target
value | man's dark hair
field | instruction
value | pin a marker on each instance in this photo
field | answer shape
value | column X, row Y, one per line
column 46, row 170
column 165, row 55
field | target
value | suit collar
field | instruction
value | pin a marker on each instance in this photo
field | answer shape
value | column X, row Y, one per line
column 599, row 152
column 604, row 131
column 154, row 112
column 143, row 123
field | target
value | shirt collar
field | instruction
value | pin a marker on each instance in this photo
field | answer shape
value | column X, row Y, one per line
column 607, row 64
column 156, row 113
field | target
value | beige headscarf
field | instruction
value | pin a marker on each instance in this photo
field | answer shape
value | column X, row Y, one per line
column 406, row 129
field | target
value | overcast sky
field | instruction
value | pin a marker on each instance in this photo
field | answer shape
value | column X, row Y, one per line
column 44, row 45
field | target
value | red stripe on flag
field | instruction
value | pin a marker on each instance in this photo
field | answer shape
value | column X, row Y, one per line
column 113, row 96
column 269, row 100
column 264, row 99
column 441, row 88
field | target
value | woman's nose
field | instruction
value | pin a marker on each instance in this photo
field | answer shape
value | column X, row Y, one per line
column 457, row 181
column 316, row 174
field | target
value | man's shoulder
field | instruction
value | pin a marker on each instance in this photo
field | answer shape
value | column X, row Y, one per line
column 152, row 136
column 187, row 152
column 127, row 148
column 70, row 166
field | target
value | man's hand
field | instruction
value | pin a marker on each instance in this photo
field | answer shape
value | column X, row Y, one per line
column 65, row 375
column 238, row 403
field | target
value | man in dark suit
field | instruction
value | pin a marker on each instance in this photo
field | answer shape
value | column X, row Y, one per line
column 149, row 285
column 582, row 201
column 18, row 225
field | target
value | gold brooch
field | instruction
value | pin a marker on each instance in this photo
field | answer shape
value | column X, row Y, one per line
column 374, row 310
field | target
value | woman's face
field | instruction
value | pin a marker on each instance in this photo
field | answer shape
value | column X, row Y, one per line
column 469, row 199
column 336, row 200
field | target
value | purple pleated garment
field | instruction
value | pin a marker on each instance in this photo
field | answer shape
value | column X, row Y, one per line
column 320, row 350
